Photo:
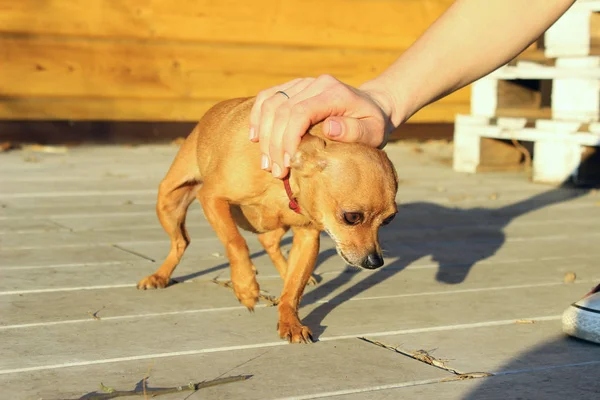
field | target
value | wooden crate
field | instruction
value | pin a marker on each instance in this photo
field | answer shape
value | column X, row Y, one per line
column 482, row 143
column 158, row 60
column 576, row 33
column 568, row 89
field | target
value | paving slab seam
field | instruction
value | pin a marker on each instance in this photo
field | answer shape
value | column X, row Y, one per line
column 441, row 243
column 389, row 268
column 70, row 265
column 82, row 193
column 278, row 343
column 429, row 382
column 258, row 306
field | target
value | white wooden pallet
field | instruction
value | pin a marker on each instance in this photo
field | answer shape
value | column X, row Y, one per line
column 570, row 35
column 558, row 146
column 575, row 87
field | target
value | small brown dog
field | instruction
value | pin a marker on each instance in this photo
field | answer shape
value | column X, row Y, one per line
column 347, row 190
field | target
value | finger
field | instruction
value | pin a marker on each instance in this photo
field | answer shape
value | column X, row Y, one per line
column 279, row 161
column 369, row 131
column 258, row 103
column 284, row 142
column 309, row 112
column 267, row 114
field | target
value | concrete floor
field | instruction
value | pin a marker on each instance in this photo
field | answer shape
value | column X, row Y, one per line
column 474, row 276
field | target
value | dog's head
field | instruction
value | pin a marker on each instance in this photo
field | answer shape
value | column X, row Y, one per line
column 349, row 191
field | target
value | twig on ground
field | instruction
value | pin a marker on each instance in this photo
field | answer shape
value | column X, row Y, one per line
column 95, row 314
column 110, row 393
column 425, row 357
column 470, row 375
column 145, row 380
column 419, row 355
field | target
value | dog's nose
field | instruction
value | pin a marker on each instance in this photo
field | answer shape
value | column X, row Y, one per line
column 373, row 261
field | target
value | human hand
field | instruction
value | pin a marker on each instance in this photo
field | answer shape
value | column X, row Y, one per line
column 279, row 120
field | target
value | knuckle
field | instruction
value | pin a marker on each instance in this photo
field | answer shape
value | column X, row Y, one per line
column 283, row 111
column 328, row 79
column 262, row 96
column 298, row 110
column 272, row 105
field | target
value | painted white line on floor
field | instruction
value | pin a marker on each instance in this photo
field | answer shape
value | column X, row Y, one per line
column 484, row 324
column 147, row 227
column 130, row 316
column 546, row 368
column 219, row 309
column 70, row 289
column 474, row 290
column 427, row 382
column 100, row 244
column 363, row 390
column 274, row 276
column 81, row 193
column 109, row 178
column 442, row 243
column 82, row 215
column 73, row 265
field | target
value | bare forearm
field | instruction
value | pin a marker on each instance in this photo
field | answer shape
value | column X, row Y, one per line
column 471, row 39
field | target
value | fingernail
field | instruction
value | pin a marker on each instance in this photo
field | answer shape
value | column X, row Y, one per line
column 276, row 170
column 264, row 162
column 335, row 129
column 252, row 133
column 286, row 160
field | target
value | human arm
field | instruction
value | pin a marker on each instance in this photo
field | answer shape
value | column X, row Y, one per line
column 470, row 40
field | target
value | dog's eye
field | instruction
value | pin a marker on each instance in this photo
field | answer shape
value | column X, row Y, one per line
column 388, row 219
column 353, row 218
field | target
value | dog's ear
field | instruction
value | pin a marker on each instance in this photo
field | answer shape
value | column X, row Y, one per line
column 309, row 158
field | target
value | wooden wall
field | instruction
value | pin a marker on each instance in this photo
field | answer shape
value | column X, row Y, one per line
column 159, row 60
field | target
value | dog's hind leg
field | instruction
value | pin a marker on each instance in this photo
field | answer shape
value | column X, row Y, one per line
column 175, row 193
column 271, row 241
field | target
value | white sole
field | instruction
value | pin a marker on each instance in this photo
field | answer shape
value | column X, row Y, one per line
column 582, row 322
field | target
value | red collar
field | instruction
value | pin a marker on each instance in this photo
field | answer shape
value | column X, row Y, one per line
column 293, row 202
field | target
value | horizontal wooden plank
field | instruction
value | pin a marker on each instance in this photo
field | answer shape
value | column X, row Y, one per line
column 381, row 24
column 531, row 114
column 82, row 68
column 85, row 109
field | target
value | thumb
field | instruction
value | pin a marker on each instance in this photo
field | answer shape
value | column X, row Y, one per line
column 352, row 130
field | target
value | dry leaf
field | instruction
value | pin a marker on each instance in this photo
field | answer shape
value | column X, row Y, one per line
column 570, row 277
column 524, row 321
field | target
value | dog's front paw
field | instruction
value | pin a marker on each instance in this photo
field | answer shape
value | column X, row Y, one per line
column 247, row 294
column 294, row 332
column 153, row 281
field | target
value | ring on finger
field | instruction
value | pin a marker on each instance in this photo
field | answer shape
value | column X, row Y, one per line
column 283, row 93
